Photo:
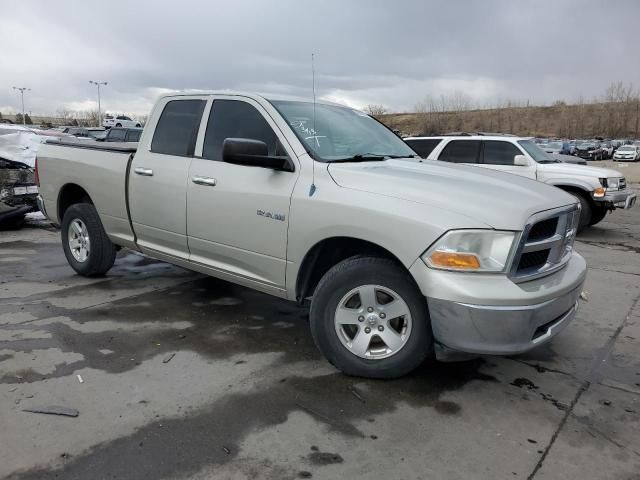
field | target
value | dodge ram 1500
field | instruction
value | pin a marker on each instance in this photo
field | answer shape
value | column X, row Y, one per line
column 399, row 258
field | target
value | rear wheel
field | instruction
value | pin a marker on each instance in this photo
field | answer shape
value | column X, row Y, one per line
column 369, row 319
column 86, row 245
column 118, row 124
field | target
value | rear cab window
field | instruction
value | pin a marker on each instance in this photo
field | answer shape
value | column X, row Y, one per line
column 423, row 146
column 177, row 127
column 117, row 134
column 461, row 151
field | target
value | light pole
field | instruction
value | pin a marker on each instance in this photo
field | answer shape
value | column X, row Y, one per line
column 97, row 84
column 22, row 90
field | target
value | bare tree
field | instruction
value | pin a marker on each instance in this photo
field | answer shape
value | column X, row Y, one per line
column 376, row 110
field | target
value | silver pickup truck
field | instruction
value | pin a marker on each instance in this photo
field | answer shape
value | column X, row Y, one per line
column 400, row 259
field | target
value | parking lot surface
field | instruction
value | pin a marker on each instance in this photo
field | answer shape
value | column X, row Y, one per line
column 177, row 376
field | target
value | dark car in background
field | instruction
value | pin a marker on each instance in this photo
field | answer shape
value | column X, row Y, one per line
column 121, row 134
column 589, row 151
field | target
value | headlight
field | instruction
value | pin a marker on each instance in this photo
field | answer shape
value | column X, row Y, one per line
column 613, row 183
column 471, row 251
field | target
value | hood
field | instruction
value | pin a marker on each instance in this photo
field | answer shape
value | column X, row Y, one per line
column 20, row 146
column 499, row 200
column 582, row 170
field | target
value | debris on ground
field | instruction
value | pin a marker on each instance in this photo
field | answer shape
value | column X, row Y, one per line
column 524, row 382
column 53, row 410
column 584, row 296
column 226, row 450
column 226, row 302
column 80, row 378
column 355, row 393
column 607, row 402
column 168, row 357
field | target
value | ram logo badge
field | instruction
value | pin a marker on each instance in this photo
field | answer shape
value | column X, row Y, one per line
column 275, row 216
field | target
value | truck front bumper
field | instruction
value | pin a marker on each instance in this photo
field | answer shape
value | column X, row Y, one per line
column 491, row 315
column 618, row 199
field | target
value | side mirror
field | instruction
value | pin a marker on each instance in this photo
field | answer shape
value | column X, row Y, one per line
column 252, row 153
column 520, row 161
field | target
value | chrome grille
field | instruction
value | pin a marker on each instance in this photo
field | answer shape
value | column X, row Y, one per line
column 546, row 243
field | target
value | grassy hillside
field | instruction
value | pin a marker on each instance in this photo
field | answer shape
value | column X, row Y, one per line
column 609, row 120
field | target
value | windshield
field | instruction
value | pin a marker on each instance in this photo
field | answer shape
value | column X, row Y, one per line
column 626, row 148
column 340, row 133
column 554, row 145
column 536, row 152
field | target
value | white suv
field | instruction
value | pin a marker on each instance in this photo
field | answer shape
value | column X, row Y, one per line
column 119, row 121
column 599, row 190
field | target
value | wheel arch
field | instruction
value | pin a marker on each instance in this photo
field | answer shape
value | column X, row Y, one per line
column 328, row 252
column 70, row 194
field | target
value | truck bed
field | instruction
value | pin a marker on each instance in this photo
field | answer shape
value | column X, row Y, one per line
column 96, row 168
column 94, row 145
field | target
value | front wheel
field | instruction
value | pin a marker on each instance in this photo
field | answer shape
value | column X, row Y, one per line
column 586, row 213
column 369, row 319
column 86, row 245
column 597, row 215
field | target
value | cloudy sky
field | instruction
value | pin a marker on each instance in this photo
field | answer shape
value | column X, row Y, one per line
column 367, row 51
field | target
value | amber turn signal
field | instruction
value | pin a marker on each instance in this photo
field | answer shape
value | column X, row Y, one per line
column 455, row 260
column 599, row 192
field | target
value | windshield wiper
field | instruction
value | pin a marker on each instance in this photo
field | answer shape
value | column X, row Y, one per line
column 369, row 157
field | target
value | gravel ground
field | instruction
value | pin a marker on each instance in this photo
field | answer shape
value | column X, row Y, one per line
column 177, row 376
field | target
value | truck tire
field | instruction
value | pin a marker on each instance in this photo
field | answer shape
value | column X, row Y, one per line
column 86, row 245
column 597, row 214
column 586, row 214
column 369, row 319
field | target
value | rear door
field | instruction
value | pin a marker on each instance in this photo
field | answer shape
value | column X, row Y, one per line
column 499, row 155
column 237, row 215
column 461, row 151
column 158, row 176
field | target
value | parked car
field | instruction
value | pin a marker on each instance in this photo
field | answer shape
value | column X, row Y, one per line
column 121, row 134
column 119, row 121
column 18, row 192
column 589, row 151
column 321, row 202
column 627, row 153
column 568, row 158
column 598, row 190
column 607, row 150
column 552, row 147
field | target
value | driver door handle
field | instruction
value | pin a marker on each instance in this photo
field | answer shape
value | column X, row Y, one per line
column 147, row 172
column 206, row 181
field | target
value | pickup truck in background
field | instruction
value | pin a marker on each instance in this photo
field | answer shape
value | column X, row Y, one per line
column 599, row 190
column 399, row 258
column 121, row 134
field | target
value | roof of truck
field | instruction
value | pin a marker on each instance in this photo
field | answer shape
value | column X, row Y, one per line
column 254, row 95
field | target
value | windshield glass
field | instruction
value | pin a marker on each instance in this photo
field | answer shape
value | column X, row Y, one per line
column 340, row 133
column 536, row 152
column 626, row 148
column 554, row 145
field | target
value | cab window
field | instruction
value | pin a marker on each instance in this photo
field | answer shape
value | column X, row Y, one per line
column 461, row 151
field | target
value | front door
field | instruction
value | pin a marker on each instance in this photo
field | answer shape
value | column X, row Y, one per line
column 238, row 216
column 499, row 155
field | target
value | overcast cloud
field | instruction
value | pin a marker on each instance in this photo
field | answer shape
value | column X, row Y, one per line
column 385, row 52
